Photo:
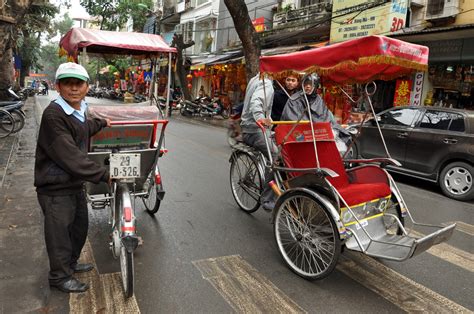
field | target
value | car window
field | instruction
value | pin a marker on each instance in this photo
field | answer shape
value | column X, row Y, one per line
column 398, row 117
column 457, row 123
column 442, row 120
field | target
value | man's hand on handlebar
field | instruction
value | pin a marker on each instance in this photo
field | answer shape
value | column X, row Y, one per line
column 265, row 121
column 109, row 122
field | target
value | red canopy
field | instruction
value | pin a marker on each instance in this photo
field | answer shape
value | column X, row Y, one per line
column 108, row 42
column 355, row 61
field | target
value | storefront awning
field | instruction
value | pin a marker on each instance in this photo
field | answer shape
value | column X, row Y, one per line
column 198, row 62
column 273, row 51
column 453, row 44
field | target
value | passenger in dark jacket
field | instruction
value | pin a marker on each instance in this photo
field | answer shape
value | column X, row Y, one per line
column 281, row 96
column 61, row 168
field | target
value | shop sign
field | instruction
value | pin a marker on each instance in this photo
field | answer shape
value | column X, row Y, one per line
column 359, row 18
column 402, row 93
column 417, row 89
column 259, row 24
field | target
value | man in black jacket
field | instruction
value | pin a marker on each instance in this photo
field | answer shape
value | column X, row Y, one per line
column 61, row 167
column 292, row 83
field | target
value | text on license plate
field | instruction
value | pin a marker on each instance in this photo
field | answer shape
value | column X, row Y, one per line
column 124, row 166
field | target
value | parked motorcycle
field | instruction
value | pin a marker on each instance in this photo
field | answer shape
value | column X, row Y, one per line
column 212, row 107
column 190, row 108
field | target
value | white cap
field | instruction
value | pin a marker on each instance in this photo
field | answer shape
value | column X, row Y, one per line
column 71, row 69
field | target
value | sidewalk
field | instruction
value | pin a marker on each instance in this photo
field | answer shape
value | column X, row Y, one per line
column 23, row 259
column 215, row 121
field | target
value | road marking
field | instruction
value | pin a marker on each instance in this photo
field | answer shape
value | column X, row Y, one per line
column 243, row 287
column 403, row 292
column 462, row 226
column 450, row 254
column 105, row 294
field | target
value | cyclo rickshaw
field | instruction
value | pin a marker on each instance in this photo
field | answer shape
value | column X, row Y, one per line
column 130, row 147
column 326, row 203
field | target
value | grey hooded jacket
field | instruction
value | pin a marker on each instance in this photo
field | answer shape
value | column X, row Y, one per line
column 296, row 107
column 257, row 103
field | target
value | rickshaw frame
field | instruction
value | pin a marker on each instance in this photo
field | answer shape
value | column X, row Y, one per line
column 312, row 185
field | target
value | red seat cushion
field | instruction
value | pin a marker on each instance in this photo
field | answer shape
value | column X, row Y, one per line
column 298, row 152
column 358, row 193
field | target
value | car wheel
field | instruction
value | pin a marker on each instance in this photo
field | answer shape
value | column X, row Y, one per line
column 353, row 153
column 456, row 181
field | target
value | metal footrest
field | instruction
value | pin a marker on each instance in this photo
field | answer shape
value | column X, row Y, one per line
column 392, row 247
column 98, row 205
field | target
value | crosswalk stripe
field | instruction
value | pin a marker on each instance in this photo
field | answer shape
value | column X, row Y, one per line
column 463, row 227
column 450, row 254
column 403, row 292
column 105, row 294
column 243, row 287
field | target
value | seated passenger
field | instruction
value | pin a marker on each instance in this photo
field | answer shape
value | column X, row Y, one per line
column 296, row 109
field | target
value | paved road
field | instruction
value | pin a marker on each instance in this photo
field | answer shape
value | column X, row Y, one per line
column 202, row 254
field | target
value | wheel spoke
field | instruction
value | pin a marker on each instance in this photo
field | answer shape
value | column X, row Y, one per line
column 309, row 243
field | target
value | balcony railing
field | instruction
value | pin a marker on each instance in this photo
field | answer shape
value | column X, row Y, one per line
column 311, row 12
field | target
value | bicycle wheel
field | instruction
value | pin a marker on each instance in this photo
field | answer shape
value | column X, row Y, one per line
column 152, row 201
column 7, row 123
column 306, row 235
column 127, row 271
column 19, row 120
column 245, row 182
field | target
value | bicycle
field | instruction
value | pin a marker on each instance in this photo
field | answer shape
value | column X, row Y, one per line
column 7, row 123
column 131, row 149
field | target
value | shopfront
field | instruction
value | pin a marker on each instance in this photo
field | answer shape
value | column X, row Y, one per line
column 451, row 73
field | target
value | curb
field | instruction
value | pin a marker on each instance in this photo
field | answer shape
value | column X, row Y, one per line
column 12, row 149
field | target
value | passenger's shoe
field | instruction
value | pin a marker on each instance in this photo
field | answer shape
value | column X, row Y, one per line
column 268, row 206
column 72, row 286
column 82, row 268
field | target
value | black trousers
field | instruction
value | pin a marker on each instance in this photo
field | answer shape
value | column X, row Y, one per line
column 65, row 229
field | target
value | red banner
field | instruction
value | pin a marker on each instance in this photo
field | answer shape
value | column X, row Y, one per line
column 402, row 93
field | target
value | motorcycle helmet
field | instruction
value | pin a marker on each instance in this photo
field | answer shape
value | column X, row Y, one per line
column 310, row 83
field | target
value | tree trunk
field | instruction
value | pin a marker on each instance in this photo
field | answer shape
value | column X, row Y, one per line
column 8, row 33
column 247, row 34
column 6, row 54
column 179, row 44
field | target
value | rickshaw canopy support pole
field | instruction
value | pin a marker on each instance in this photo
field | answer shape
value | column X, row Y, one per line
column 367, row 94
column 169, row 86
column 308, row 107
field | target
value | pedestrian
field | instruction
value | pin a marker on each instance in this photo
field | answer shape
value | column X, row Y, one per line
column 292, row 82
column 46, row 87
column 61, row 167
column 259, row 95
column 296, row 109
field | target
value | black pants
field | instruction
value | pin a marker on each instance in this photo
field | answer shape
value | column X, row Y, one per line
column 65, row 229
column 257, row 140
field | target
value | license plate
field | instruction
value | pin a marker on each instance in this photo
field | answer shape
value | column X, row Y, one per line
column 124, row 166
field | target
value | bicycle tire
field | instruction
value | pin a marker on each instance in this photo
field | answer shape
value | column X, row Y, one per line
column 7, row 123
column 152, row 208
column 306, row 235
column 19, row 120
column 246, row 182
column 127, row 271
